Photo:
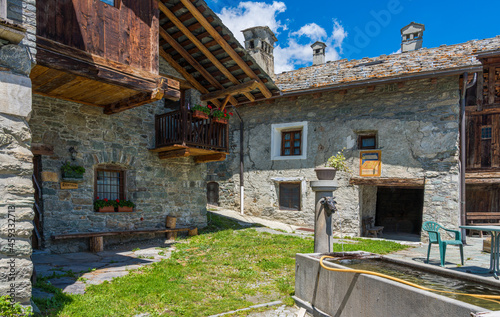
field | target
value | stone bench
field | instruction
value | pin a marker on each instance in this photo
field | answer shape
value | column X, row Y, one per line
column 97, row 238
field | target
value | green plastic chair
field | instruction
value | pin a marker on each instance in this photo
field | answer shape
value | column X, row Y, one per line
column 432, row 229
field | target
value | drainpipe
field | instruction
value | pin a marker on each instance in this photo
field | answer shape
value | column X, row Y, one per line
column 463, row 158
column 242, row 166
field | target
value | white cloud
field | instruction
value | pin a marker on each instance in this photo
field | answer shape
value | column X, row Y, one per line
column 296, row 51
column 311, row 30
column 250, row 14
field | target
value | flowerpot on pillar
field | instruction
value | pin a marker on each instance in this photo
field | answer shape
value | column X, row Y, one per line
column 325, row 173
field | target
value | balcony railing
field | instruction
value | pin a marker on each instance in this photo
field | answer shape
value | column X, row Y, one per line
column 180, row 128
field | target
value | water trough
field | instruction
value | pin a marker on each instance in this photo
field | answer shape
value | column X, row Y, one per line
column 328, row 293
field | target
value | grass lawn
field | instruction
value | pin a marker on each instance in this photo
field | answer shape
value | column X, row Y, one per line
column 225, row 268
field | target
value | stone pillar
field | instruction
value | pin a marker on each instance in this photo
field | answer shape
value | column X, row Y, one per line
column 323, row 233
column 16, row 169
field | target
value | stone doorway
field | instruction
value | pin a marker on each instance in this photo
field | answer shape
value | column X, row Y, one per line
column 399, row 210
column 213, row 193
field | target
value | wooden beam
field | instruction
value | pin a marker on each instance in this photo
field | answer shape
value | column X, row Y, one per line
column 137, row 100
column 79, row 55
column 472, row 111
column 194, row 39
column 388, row 181
column 217, row 37
column 491, row 85
column 190, row 59
column 42, row 149
column 224, row 103
column 234, row 90
column 210, row 158
column 174, row 154
column 186, row 75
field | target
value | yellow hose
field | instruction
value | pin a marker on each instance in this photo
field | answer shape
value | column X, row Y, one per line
column 491, row 298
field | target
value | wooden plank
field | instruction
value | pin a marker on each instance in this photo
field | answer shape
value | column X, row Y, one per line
column 210, row 158
column 174, row 154
column 479, row 181
column 495, row 140
column 233, row 90
column 115, row 233
column 491, row 85
column 388, row 181
column 477, row 142
column 223, row 43
column 42, row 149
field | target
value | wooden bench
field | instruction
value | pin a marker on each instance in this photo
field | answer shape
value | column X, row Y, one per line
column 97, row 238
column 370, row 229
column 481, row 218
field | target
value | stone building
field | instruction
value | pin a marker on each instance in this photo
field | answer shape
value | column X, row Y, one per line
column 399, row 112
column 112, row 96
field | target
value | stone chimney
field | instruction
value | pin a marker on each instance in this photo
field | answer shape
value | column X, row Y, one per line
column 259, row 42
column 412, row 37
column 318, row 53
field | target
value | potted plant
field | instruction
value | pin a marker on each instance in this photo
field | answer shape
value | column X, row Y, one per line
column 221, row 116
column 335, row 163
column 200, row 112
column 125, row 205
column 105, row 205
column 72, row 171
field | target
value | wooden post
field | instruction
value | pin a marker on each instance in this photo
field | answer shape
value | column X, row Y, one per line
column 170, row 224
column 96, row 244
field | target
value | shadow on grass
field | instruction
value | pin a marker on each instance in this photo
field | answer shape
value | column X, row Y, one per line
column 220, row 223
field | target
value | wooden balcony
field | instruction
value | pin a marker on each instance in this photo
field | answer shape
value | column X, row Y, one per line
column 178, row 134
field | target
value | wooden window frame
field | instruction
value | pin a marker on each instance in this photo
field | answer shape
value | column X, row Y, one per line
column 299, row 196
column 292, row 142
column 362, row 137
column 123, row 177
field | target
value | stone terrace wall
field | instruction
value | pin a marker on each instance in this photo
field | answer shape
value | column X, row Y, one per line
column 158, row 187
column 417, row 127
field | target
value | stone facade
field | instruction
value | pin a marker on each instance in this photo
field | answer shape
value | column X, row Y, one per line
column 157, row 187
column 417, row 130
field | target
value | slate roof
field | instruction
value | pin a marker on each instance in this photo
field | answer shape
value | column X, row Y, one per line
column 429, row 60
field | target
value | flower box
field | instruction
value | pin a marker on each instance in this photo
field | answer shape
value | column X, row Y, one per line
column 106, row 209
column 72, row 175
column 125, row 209
column 220, row 120
column 199, row 114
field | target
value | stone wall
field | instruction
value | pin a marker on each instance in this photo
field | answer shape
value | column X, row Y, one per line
column 417, row 131
column 159, row 188
column 16, row 168
column 23, row 13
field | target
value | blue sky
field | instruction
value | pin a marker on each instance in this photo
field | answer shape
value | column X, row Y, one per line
column 357, row 28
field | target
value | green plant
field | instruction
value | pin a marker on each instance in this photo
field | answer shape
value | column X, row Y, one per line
column 124, row 203
column 201, row 108
column 216, row 113
column 69, row 168
column 99, row 203
column 338, row 162
column 8, row 309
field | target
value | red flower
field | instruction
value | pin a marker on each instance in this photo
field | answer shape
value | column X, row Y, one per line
column 225, row 110
column 142, row 219
column 105, row 199
column 97, row 197
column 118, row 200
column 209, row 107
column 231, row 114
column 225, row 115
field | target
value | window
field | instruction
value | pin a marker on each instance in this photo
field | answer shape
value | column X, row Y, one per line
column 110, row 184
column 485, row 132
column 367, row 141
column 290, row 196
column 291, row 142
